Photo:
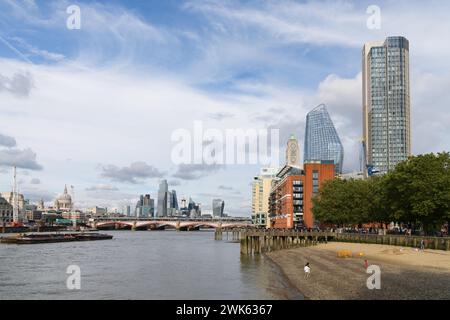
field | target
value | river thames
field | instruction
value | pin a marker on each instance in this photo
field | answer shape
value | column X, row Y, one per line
column 141, row 265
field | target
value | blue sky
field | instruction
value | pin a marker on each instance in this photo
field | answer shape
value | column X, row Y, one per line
column 84, row 106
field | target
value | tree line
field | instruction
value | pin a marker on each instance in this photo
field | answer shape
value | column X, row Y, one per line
column 416, row 193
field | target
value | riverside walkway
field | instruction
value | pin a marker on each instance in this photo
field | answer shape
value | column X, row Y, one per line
column 260, row 241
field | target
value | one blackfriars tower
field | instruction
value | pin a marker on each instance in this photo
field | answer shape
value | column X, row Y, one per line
column 386, row 103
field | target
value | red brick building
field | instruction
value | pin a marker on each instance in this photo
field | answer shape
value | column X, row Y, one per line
column 290, row 202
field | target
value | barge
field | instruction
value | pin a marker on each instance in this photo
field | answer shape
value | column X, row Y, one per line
column 33, row 238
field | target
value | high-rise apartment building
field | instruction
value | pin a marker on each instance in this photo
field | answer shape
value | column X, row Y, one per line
column 321, row 139
column 386, row 103
column 260, row 196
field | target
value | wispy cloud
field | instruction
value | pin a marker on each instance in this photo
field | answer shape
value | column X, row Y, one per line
column 196, row 171
column 102, row 187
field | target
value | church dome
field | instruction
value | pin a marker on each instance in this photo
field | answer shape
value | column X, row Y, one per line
column 65, row 197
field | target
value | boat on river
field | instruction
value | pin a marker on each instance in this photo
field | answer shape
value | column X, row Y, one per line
column 33, row 238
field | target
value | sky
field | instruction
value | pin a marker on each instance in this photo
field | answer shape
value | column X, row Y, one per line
column 96, row 107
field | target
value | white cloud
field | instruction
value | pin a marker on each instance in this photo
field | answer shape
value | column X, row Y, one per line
column 103, row 104
column 25, row 159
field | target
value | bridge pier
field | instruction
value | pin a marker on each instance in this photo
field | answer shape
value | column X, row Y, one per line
column 133, row 228
column 218, row 234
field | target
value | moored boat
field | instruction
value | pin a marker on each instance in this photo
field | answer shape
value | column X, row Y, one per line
column 34, row 238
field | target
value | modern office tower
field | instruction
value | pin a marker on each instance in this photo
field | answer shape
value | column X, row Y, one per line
column 386, row 103
column 128, row 211
column 145, row 207
column 162, row 199
column 217, row 207
column 321, row 138
column 169, row 204
column 293, row 152
column 184, row 209
column 174, row 202
column 194, row 209
column 260, row 196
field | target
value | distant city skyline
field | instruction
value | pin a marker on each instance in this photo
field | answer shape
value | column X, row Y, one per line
column 95, row 107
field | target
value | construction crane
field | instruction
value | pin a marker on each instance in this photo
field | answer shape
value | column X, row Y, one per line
column 15, row 200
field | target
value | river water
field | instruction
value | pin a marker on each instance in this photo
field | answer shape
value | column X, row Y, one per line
column 141, row 265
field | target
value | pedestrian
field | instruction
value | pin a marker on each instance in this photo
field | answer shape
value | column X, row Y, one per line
column 422, row 244
column 307, row 269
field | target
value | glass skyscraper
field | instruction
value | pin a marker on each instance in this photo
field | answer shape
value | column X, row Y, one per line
column 218, row 206
column 162, row 199
column 386, row 103
column 321, row 138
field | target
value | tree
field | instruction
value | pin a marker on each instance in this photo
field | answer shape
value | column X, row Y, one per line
column 418, row 190
column 378, row 210
column 342, row 202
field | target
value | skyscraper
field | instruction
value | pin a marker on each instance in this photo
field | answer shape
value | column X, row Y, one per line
column 386, row 103
column 321, row 138
column 293, row 152
column 218, row 206
column 194, row 209
column 174, row 202
column 162, row 199
column 145, row 207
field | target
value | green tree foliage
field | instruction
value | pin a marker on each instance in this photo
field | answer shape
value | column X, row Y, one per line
column 342, row 202
column 417, row 191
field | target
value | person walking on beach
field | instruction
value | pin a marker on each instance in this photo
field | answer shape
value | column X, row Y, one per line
column 422, row 245
column 307, row 270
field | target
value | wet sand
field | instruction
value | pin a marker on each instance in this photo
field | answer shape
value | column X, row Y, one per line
column 405, row 272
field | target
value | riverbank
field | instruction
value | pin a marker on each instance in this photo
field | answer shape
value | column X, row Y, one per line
column 405, row 272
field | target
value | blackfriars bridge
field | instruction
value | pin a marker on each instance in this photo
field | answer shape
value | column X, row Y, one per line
column 132, row 223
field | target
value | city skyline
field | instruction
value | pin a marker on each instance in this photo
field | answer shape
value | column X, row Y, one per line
column 65, row 116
